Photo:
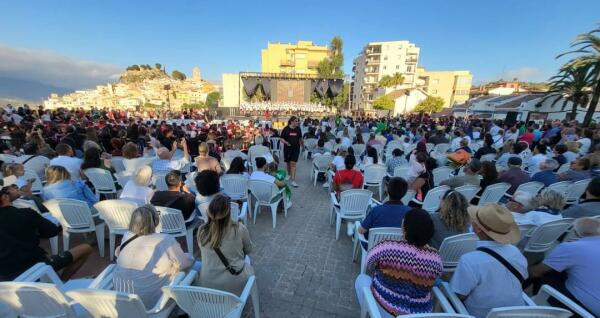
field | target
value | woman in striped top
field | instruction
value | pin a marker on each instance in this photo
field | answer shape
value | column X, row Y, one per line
column 404, row 272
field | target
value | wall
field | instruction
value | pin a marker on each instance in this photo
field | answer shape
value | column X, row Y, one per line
column 231, row 90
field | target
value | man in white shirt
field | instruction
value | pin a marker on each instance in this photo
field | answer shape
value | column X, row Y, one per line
column 511, row 134
column 585, row 140
column 481, row 280
column 539, row 156
column 260, row 174
column 495, row 130
column 65, row 159
column 165, row 161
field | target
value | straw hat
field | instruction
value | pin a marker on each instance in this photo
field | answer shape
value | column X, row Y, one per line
column 497, row 222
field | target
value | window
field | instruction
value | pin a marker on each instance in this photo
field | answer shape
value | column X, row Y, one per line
column 397, row 67
column 384, row 68
column 409, row 69
column 435, row 81
column 385, row 58
column 434, row 91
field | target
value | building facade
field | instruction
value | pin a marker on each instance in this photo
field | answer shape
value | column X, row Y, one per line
column 452, row 86
column 377, row 60
column 300, row 58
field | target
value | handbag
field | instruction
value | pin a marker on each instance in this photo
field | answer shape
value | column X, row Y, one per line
column 226, row 263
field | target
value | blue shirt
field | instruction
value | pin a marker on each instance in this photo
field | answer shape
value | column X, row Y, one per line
column 547, row 177
column 385, row 215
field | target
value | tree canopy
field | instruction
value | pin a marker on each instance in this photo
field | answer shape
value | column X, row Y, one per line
column 178, row 75
column 331, row 67
column 133, row 67
column 384, row 103
column 391, row 81
column 431, row 104
column 158, row 66
column 212, row 100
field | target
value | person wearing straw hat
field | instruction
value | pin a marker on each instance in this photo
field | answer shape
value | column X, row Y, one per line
column 491, row 276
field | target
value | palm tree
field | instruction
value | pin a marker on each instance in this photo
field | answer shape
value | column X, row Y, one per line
column 391, row 81
column 570, row 85
column 588, row 45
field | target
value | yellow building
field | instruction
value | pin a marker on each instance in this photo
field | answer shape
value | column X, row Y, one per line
column 300, row 58
column 452, row 86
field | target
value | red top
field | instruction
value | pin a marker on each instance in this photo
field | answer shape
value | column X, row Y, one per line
column 348, row 177
column 527, row 137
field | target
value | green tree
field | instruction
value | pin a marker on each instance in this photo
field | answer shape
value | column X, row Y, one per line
column 332, row 66
column 384, row 103
column 391, row 81
column 199, row 105
column 587, row 49
column 341, row 100
column 431, row 104
column 212, row 100
column 158, row 66
column 571, row 84
column 133, row 67
column 178, row 75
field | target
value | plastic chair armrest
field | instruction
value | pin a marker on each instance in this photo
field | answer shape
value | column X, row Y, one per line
column 334, row 200
column 458, row 305
column 189, row 278
column 248, row 288
column 164, row 299
column 104, row 279
column 243, row 210
column 443, row 301
column 32, row 274
column 547, row 291
column 360, row 237
column 528, row 300
column 370, row 305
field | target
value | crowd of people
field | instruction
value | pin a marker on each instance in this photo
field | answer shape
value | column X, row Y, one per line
column 284, row 107
column 189, row 158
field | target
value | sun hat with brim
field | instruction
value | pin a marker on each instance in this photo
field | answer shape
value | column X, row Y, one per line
column 7, row 182
column 497, row 222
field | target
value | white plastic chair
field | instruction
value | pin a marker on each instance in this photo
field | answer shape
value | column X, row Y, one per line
column 309, row 146
column 172, row 222
column 454, row 247
column 563, row 168
column 373, row 177
column 200, row 302
column 117, row 215
column 544, row 237
column 576, row 190
column 159, row 181
column 36, row 186
column 75, row 217
column 441, row 149
column 238, row 213
column 320, row 165
column 276, row 146
column 379, row 149
column 235, row 186
column 493, row 193
column 488, row 157
column 123, row 178
column 30, row 299
column 541, row 299
column 43, row 273
column 401, row 171
column 376, row 235
column 352, row 206
column 117, row 164
column 359, row 149
column 433, row 198
column 410, row 194
column 38, row 165
column 102, row 180
column 267, row 194
column 440, row 174
column 529, row 312
column 468, row 191
column 531, row 187
column 561, row 187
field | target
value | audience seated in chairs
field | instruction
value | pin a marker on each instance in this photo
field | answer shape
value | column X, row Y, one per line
column 481, row 281
column 66, row 158
column 590, row 206
column 579, row 170
column 208, row 185
column 487, row 148
column 470, row 176
column 389, row 214
column 20, row 233
column 489, row 176
column 547, row 176
column 224, row 246
column 536, row 210
column 514, row 176
column 146, row 260
column 177, row 195
column 572, row 267
column 260, row 174
column 452, row 219
column 60, row 186
column 397, row 160
column 424, row 182
column 138, row 188
column 404, row 272
column 165, row 161
column 131, row 159
column 238, row 166
column 348, row 178
column 205, row 162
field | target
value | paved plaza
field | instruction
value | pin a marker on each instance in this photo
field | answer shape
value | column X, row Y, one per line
column 301, row 270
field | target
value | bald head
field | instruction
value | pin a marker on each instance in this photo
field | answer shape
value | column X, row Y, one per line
column 587, row 227
column 164, row 153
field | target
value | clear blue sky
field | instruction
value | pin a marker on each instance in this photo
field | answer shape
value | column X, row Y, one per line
column 490, row 38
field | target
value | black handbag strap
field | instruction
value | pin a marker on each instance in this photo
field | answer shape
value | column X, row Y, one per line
column 26, row 160
column 226, row 263
column 126, row 243
column 504, row 262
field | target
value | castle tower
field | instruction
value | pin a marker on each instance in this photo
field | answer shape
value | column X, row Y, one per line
column 196, row 74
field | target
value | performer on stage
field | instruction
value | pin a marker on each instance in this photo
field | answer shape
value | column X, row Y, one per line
column 291, row 136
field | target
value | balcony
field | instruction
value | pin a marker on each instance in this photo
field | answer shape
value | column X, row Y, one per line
column 373, row 61
column 373, row 50
column 313, row 64
column 287, row 63
column 411, row 61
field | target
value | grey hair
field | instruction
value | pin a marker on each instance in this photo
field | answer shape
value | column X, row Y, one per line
column 550, row 164
column 587, row 227
column 144, row 220
column 551, row 199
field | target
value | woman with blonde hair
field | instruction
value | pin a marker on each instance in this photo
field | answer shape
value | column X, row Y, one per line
column 452, row 219
column 138, row 188
column 204, row 161
column 224, row 246
column 543, row 208
column 147, row 260
column 60, row 186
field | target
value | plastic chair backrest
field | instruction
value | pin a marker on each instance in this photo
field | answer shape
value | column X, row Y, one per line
column 493, row 193
column 116, row 213
column 431, row 202
column 354, row 202
column 234, row 211
column 440, row 174
column 29, row 299
column 374, row 173
column 71, row 213
column 36, row 186
column 101, row 179
column 453, row 247
column 310, row 144
column 441, row 149
column 117, row 164
column 531, row 187
column 366, row 136
column 109, row 303
column 263, row 191
column 122, row 178
column 394, row 144
column 275, row 143
column 529, row 312
column 401, row 171
column 576, row 190
column 544, row 237
column 171, row 221
column 159, row 181
column 322, row 162
column 358, row 148
column 561, row 187
column 235, row 186
column 38, row 165
column 429, row 147
column 204, row 302
column 563, row 168
column 410, row 194
column 488, row 157
column 468, row 191
column 379, row 234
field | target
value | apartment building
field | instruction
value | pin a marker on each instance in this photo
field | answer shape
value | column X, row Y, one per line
column 300, row 58
column 453, row 86
column 377, row 60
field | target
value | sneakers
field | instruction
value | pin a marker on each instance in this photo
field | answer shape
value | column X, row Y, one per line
column 325, row 185
column 287, row 178
column 350, row 229
column 294, row 184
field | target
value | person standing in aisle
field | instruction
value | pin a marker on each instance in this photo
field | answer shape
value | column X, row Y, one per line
column 291, row 137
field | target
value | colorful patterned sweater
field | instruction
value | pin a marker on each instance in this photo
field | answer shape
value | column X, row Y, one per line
column 404, row 276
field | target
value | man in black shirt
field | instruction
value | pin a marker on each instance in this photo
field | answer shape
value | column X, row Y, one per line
column 177, row 196
column 291, row 136
column 20, row 233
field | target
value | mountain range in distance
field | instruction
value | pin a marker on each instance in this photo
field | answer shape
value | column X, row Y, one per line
column 20, row 89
